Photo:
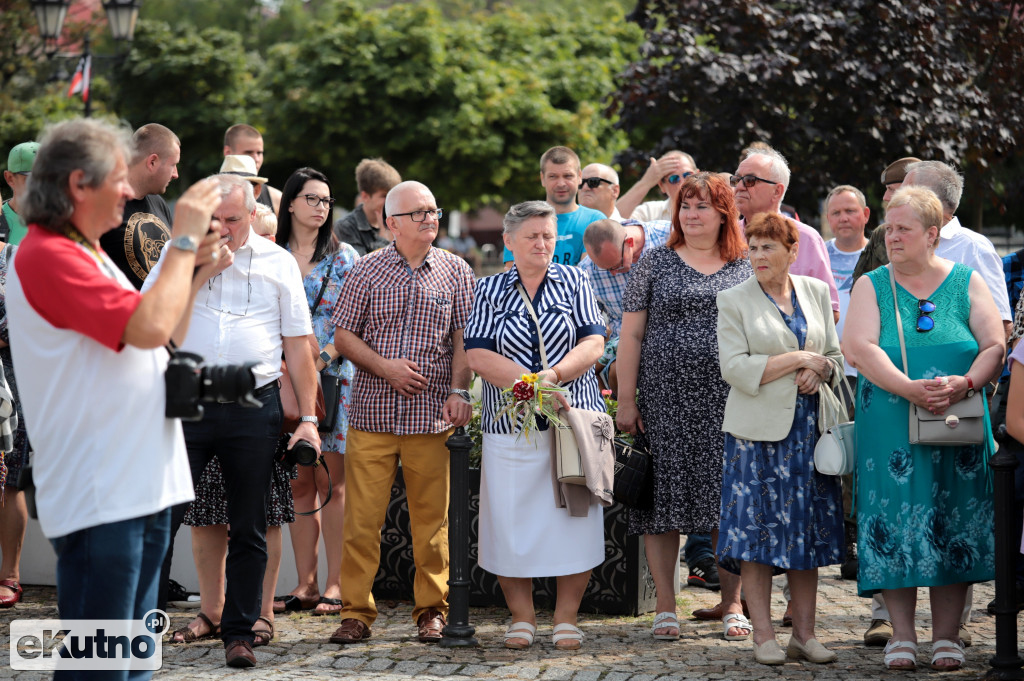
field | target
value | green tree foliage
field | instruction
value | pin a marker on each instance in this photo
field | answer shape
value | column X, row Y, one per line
column 465, row 106
column 197, row 83
column 841, row 90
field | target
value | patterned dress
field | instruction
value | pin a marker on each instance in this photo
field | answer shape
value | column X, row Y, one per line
column 924, row 513
column 776, row 509
column 16, row 459
column 681, row 391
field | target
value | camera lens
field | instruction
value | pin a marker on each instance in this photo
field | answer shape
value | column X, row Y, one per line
column 304, row 453
column 230, row 382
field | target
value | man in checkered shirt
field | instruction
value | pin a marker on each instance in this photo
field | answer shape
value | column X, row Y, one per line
column 400, row 319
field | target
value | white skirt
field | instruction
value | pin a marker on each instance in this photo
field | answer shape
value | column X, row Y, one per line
column 522, row 532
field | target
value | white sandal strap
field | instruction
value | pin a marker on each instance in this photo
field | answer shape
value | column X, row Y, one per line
column 891, row 656
column 566, row 631
column 741, row 621
column 956, row 654
column 523, row 630
column 665, row 620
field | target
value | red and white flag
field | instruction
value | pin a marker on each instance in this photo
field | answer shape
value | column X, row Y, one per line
column 80, row 81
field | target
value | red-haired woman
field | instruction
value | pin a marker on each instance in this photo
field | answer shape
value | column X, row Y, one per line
column 668, row 349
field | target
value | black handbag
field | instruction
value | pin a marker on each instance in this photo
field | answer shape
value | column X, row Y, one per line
column 633, row 474
column 330, row 385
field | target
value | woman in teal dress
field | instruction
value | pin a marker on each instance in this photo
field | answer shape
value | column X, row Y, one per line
column 304, row 229
column 924, row 513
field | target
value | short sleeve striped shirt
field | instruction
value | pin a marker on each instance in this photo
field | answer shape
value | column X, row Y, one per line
column 500, row 322
column 403, row 312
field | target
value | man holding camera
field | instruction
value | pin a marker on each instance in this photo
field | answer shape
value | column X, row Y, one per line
column 246, row 313
column 88, row 349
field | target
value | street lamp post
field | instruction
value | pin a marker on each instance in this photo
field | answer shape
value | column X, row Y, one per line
column 50, row 15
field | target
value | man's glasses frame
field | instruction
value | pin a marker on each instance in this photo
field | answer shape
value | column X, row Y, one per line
column 593, row 182
column 312, row 200
column 748, row 180
column 675, row 178
column 420, row 215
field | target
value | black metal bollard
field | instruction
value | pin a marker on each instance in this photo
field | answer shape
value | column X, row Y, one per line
column 458, row 633
column 1006, row 663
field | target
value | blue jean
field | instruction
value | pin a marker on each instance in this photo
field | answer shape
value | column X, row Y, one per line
column 111, row 572
column 697, row 548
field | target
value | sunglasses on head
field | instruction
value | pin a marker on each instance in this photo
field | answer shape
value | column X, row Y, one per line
column 593, row 182
column 748, row 180
column 924, row 321
column 676, row 179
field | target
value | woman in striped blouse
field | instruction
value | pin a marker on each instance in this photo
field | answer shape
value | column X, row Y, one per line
column 523, row 534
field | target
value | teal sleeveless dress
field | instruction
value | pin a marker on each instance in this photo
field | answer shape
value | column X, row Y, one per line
column 924, row 513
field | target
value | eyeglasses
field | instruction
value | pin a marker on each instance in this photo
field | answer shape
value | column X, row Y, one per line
column 675, row 179
column 593, row 182
column 748, row 180
column 312, row 200
column 421, row 215
column 924, row 321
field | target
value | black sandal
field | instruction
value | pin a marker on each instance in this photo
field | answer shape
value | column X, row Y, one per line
column 188, row 635
column 263, row 636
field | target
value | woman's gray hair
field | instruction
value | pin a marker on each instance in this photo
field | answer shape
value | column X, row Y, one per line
column 229, row 183
column 527, row 210
column 85, row 144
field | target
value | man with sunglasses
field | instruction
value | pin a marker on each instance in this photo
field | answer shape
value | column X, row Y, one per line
column 667, row 173
column 599, row 189
column 759, row 185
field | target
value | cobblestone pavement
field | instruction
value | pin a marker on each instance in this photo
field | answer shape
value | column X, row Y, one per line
column 615, row 648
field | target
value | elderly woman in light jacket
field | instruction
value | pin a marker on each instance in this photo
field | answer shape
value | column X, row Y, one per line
column 778, row 347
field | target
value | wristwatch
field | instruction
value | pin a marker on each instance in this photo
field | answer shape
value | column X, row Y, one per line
column 309, row 419
column 185, row 243
column 326, row 357
column 970, row 386
column 464, row 394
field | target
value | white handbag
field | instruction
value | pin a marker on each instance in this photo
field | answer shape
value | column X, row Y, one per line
column 835, row 453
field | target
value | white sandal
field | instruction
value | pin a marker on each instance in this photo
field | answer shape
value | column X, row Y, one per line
column 956, row 654
column 665, row 620
column 734, row 620
column 571, row 634
column 520, row 630
column 891, row 656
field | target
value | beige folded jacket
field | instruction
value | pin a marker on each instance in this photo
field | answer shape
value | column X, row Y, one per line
column 594, row 431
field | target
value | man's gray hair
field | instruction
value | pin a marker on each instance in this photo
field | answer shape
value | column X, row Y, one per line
column 229, row 183
column 941, row 178
column 600, row 232
column 605, row 170
column 85, row 144
column 836, row 191
column 778, row 167
column 391, row 200
column 527, row 210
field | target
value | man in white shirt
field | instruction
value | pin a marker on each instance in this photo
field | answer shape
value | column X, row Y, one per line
column 249, row 312
column 599, row 188
column 667, row 173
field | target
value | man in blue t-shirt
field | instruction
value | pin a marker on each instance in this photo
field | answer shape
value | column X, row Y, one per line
column 561, row 178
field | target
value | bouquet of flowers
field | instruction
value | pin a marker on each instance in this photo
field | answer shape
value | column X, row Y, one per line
column 528, row 399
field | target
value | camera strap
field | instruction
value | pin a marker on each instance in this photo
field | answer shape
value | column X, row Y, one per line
column 323, row 287
column 330, row 485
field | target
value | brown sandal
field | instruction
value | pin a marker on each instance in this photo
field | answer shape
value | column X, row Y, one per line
column 263, row 636
column 350, row 631
column 189, row 635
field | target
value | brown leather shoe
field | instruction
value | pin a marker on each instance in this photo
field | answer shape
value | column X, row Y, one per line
column 716, row 613
column 787, row 617
column 431, row 624
column 239, row 654
column 350, row 631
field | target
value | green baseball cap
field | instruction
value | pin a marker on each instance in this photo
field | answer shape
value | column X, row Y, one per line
column 22, row 156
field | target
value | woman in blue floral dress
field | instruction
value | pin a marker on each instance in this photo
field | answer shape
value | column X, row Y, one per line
column 924, row 513
column 778, row 348
column 304, row 229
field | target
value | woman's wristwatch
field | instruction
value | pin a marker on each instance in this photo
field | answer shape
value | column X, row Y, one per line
column 325, row 356
column 970, row 386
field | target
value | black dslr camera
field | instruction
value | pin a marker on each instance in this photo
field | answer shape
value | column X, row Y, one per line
column 302, row 454
column 189, row 381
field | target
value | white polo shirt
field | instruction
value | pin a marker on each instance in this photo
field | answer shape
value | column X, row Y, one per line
column 94, row 407
column 241, row 314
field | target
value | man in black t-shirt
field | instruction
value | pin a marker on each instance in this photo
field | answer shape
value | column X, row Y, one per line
column 135, row 246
